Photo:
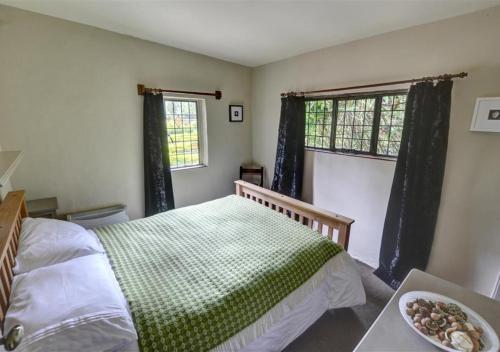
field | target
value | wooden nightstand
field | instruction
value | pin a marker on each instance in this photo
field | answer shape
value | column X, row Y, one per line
column 42, row 208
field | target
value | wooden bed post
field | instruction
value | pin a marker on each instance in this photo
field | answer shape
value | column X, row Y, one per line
column 306, row 214
column 239, row 189
column 344, row 232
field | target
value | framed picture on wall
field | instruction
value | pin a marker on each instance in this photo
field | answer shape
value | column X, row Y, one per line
column 235, row 113
column 486, row 115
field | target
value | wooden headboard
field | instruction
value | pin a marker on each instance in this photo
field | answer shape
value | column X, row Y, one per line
column 323, row 221
column 12, row 211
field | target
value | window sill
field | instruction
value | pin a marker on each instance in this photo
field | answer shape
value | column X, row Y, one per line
column 188, row 167
column 366, row 156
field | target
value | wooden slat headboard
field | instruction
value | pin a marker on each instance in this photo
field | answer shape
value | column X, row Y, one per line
column 12, row 211
column 323, row 221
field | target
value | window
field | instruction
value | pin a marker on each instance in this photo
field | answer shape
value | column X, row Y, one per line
column 185, row 132
column 360, row 124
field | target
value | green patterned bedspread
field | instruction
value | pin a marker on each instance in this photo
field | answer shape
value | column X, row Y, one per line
column 196, row 276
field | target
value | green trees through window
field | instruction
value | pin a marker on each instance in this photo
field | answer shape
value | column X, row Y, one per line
column 361, row 124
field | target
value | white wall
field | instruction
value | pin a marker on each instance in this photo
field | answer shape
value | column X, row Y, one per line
column 354, row 186
column 68, row 99
column 467, row 242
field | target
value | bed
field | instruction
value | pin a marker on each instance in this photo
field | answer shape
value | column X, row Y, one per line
column 236, row 273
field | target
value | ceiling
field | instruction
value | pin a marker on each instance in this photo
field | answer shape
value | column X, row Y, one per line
column 252, row 33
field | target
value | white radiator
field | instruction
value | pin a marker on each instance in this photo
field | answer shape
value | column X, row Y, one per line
column 99, row 217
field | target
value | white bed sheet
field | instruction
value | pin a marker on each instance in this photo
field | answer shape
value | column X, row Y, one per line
column 336, row 285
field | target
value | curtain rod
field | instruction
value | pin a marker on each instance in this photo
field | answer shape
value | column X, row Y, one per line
column 413, row 80
column 141, row 90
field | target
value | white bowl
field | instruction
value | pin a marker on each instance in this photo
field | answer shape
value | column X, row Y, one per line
column 489, row 337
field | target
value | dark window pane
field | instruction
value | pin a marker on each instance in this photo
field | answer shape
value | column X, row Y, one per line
column 341, row 105
column 360, row 104
column 396, row 132
column 382, row 147
column 328, row 118
column 368, row 118
column 328, row 128
column 317, row 142
column 340, row 132
column 399, row 102
column 340, row 119
column 359, row 117
column 329, row 105
column 347, row 131
column 393, row 148
column 370, row 104
column 309, row 141
column 365, row 145
column 338, row 143
column 398, row 117
column 320, row 105
column 350, row 105
column 383, row 133
column 326, row 142
column 355, row 123
column 385, row 118
column 318, row 123
column 387, row 103
column 169, row 107
column 356, row 144
column 357, row 132
column 367, row 132
column 346, row 144
column 391, row 124
column 349, row 118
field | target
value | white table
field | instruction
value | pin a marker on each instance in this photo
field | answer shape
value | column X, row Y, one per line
column 390, row 332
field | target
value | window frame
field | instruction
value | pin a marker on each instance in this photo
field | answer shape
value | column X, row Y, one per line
column 201, row 124
column 377, row 95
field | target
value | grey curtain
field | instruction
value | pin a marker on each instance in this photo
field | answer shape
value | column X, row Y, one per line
column 416, row 189
column 289, row 166
column 158, row 192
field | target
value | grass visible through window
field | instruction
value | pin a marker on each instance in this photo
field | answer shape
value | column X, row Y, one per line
column 182, row 130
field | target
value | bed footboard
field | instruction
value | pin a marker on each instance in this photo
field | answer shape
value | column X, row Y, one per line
column 335, row 226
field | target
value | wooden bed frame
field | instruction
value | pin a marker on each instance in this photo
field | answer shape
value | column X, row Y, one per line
column 323, row 221
column 13, row 210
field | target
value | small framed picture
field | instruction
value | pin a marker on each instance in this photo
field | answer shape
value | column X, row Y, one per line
column 235, row 113
column 486, row 115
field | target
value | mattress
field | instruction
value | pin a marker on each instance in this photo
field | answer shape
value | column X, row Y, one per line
column 336, row 285
column 198, row 275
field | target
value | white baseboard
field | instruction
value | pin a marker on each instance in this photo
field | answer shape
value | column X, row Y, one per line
column 364, row 261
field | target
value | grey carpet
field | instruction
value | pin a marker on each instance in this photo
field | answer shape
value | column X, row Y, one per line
column 340, row 330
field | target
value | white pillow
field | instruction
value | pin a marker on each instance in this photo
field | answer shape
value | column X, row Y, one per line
column 45, row 242
column 72, row 306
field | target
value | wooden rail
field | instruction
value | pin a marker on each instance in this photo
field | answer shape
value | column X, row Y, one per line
column 323, row 221
column 12, row 211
